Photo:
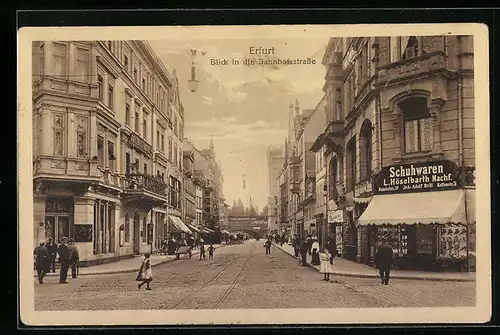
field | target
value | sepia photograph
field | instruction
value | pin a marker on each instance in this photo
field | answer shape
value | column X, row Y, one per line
column 215, row 175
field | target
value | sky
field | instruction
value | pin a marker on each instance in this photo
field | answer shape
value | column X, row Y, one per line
column 244, row 108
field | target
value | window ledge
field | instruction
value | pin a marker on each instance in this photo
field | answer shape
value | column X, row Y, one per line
column 420, row 155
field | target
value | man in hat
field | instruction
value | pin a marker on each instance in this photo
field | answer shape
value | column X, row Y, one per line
column 383, row 261
column 42, row 261
column 64, row 259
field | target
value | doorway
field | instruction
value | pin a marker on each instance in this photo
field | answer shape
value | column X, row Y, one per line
column 137, row 234
column 57, row 227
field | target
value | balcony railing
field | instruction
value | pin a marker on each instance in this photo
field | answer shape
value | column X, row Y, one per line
column 141, row 181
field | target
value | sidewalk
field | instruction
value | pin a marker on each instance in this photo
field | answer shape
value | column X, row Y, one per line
column 343, row 267
column 127, row 265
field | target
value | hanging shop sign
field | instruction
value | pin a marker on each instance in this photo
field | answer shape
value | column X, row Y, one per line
column 336, row 216
column 417, row 177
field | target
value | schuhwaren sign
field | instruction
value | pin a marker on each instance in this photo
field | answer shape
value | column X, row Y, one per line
column 417, row 177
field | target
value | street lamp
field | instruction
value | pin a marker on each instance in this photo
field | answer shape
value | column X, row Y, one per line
column 193, row 83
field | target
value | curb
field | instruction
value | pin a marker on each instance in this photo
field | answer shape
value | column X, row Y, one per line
column 130, row 270
column 360, row 275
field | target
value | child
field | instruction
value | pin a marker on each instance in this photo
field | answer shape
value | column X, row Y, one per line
column 211, row 252
column 326, row 267
column 145, row 275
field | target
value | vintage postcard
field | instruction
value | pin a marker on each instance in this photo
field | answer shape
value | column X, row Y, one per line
column 254, row 175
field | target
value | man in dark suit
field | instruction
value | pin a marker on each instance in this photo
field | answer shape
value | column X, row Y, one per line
column 74, row 258
column 42, row 261
column 383, row 261
column 304, row 248
column 64, row 258
column 52, row 247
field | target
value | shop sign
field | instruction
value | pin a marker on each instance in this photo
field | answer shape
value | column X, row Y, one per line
column 363, row 187
column 417, row 177
column 335, row 216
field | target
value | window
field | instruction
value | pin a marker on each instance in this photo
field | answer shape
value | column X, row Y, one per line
column 127, row 228
column 175, row 125
column 144, row 229
column 81, row 136
column 42, row 59
column 145, row 168
column 411, row 49
column 418, row 135
column 137, row 119
column 144, row 85
column 175, row 153
column 125, row 62
column 365, row 146
column 100, row 84
column 158, row 139
column 109, row 45
column 351, row 165
column 127, row 163
column 110, row 97
column 135, row 75
column 145, row 128
column 170, row 148
column 82, row 64
column 162, row 141
column 60, row 59
column 111, row 155
column 127, row 114
column 100, row 150
column 58, row 134
column 136, row 167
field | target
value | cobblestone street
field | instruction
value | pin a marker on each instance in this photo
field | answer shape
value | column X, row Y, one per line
column 242, row 276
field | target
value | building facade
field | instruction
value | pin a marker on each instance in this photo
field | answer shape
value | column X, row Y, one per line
column 107, row 157
column 400, row 133
column 275, row 160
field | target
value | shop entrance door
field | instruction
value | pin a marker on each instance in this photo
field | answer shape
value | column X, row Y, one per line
column 137, row 234
column 57, row 227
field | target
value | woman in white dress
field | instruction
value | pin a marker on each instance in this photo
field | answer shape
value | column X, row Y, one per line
column 145, row 275
column 326, row 266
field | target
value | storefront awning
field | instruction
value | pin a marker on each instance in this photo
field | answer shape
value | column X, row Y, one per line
column 439, row 207
column 193, row 227
column 225, row 232
column 208, row 230
column 179, row 224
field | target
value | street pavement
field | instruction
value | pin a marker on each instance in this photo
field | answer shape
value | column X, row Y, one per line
column 242, row 276
column 343, row 267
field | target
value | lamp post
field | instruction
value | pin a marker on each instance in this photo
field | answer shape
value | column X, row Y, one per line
column 325, row 221
column 193, row 83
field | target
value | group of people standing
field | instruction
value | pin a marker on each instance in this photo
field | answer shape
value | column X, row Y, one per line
column 310, row 245
column 45, row 259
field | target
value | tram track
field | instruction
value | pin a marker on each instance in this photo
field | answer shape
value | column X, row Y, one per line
column 218, row 275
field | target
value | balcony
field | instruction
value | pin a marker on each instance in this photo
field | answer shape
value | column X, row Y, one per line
column 412, row 67
column 334, row 136
column 295, row 188
column 137, row 142
column 294, row 160
column 144, row 188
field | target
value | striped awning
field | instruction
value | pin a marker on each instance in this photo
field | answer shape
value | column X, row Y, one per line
column 177, row 222
column 193, row 227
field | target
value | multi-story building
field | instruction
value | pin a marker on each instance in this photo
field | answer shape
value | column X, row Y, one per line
column 275, row 160
column 199, row 204
column 108, row 125
column 189, row 189
column 399, row 147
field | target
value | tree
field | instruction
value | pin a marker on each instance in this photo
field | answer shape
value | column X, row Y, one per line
column 233, row 210
column 241, row 208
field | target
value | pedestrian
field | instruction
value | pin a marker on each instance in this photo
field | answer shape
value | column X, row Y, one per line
column 267, row 245
column 145, row 274
column 211, row 252
column 296, row 245
column 202, row 251
column 383, row 261
column 74, row 258
column 303, row 252
column 326, row 266
column 332, row 248
column 52, row 247
column 64, row 259
column 42, row 261
column 315, row 252
column 309, row 242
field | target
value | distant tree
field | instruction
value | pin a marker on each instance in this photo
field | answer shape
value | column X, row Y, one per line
column 246, row 212
column 234, row 209
column 264, row 211
column 240, row 207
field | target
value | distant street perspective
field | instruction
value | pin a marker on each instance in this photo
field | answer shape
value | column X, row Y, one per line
column 243, row 276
